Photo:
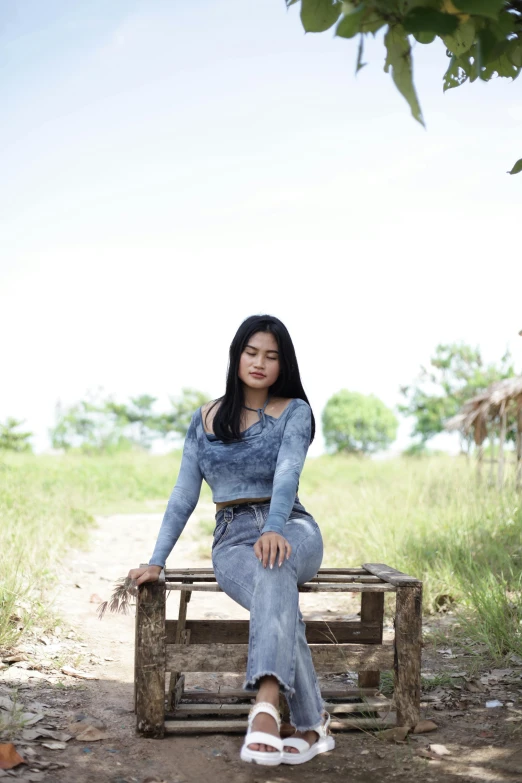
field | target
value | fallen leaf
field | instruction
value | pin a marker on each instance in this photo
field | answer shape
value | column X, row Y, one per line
column 92, row 734
column 77, row 673
column 439, row 750
column 95, row 599
column 9, row 757
column 29, row 718
column 497, row 674
column 31, row 734
column 54, row 745
column 397, row 734
column 424, row 726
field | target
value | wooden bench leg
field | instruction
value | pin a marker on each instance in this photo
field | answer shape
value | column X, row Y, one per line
column 372, row 611
column 408, row 650
column 150, row 659
column 177, row 679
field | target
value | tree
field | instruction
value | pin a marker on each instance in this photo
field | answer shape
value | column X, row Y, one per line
column 482, row 38
column 99, row 423
column 91, row 425
column 358, row 423
column 456, row 372
column 177, row 421
column 138, row 418
column 10, row 440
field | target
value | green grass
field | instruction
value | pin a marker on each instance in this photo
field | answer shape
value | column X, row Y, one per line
column 426, row 517
column 429, row 518
column 47, row 504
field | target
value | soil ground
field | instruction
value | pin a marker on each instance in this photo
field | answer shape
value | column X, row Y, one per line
column 484, row 743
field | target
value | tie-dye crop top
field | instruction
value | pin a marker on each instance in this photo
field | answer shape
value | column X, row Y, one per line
column 267, row 462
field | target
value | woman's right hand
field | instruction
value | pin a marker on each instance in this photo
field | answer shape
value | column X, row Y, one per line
column 149, row 573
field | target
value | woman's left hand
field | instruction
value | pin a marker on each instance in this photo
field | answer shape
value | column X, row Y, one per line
column 268, row 546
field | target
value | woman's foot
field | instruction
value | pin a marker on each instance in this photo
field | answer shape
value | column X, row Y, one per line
column 268, row 690
column 266, row 723
column 305, row 745
column 307, row 736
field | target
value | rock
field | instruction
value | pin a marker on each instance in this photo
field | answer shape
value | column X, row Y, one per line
column 474, row 686
column 424, row 726
column 92, row 734
column 85, row 723
column 439, row 750
column 397, row 734
column 15, row 658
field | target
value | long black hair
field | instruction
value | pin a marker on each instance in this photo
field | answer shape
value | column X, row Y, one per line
column 227, row 421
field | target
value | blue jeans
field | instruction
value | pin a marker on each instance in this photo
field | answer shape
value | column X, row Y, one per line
column 277, row 643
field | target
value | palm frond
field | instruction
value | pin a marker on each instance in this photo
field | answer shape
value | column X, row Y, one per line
column 121, row 600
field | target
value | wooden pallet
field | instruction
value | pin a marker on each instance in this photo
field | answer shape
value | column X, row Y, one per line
column 183, row 645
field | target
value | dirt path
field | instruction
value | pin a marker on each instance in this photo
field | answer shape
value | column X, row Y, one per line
column 484, row 744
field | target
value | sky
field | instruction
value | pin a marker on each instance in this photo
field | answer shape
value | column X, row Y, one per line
column 170, row 167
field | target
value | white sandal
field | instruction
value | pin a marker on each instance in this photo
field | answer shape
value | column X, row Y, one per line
column 265, row 757
column 324, row 743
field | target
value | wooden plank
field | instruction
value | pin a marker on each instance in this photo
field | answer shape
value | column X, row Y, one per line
column 236, row 693
column 217, row 726
column 390, row 575
column 326, row 578
column 317, row 631
column 233, row 657
column 192, row 572
column 371, row 704
column 306, row 588
column 372, row 611
column 408, row 648
column 150, row 658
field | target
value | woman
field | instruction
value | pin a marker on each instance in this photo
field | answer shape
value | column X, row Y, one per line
column 250, row 446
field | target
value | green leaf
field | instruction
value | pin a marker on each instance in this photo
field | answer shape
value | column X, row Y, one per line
column 455, row 74
column 514, row 52
column 501, row 66
column 487, row 40
column 427, row 20
column 319, row 15
column 489, row 8
column 398, row 58
column 424, row 38
column 350, row 24
column 517, row 168
column 462, row 39
column 372, row 22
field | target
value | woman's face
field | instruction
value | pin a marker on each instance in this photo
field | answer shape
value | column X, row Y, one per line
column 259, row 363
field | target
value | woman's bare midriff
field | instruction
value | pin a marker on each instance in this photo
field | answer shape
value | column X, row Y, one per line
column 219, row 506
